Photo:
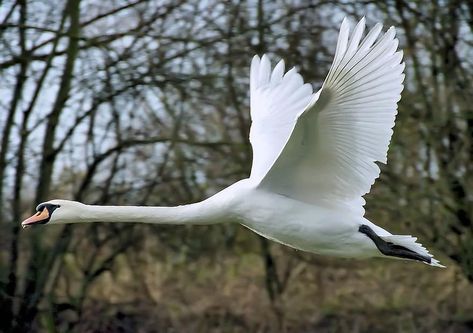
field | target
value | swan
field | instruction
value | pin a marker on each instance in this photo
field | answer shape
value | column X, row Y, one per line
column 313, row 158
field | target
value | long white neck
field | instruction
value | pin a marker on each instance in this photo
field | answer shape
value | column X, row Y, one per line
column 197, row 213
column 216, row 209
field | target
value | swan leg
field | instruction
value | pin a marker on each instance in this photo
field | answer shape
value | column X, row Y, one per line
column 391, row 249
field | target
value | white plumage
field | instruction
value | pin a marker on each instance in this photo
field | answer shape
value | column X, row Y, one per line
column 314, row 157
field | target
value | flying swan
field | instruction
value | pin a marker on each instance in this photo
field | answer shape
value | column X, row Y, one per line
column 313, row 158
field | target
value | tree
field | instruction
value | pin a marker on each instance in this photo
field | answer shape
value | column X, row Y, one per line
column 144, row 102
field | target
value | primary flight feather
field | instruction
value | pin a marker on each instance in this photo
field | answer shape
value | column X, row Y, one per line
column 314, row 157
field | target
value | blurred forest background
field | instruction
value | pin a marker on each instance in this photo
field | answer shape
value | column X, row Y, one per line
column 146, row 102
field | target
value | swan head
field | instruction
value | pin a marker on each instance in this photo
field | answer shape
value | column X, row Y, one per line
column 53, row 212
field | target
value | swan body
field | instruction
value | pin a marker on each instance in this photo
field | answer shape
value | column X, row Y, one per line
column 313, row 158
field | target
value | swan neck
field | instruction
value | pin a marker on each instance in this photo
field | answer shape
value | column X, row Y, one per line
column 197, row 213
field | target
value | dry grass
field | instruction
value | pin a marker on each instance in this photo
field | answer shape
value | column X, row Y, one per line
column 226, row 293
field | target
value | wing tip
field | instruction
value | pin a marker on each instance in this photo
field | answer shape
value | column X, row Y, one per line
column 260, row 71
column 255, row 61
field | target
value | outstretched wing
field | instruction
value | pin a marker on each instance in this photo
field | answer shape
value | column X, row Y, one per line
column 330, row 156
column 276, row 100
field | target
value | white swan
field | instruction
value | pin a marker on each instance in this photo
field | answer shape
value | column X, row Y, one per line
column 314, row 158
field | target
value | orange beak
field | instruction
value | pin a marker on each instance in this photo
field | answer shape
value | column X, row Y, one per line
column 38, row 218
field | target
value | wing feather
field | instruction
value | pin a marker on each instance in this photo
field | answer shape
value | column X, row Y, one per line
column 276, row 100
column 329, row 157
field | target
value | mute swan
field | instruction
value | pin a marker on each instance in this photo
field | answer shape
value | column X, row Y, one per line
column 314, row 158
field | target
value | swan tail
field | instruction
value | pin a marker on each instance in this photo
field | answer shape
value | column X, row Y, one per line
column 400, row 246
column 409, row 243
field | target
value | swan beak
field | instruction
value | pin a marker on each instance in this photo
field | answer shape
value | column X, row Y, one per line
column 41, row 217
